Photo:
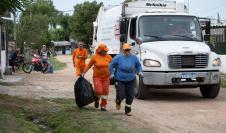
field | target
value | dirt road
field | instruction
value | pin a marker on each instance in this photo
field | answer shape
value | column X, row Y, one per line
column 168, row 111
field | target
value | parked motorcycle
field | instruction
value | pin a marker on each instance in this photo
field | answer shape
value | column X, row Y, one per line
column 38, row 64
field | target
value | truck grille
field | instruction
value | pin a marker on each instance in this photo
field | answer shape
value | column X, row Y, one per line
column 188, row 61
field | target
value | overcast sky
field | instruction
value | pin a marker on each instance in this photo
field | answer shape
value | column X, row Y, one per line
column 202, row 8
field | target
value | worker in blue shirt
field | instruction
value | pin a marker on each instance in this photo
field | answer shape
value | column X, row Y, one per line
column 123, row 68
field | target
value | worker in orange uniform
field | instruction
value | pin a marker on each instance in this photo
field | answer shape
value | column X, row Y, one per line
column 101, row 75
column 79, row 56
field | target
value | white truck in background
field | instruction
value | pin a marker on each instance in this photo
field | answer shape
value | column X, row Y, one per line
column 167, row 40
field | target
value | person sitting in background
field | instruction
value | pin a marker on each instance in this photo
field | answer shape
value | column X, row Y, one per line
column 45, row 56
column 14, row 57
column 45, row 53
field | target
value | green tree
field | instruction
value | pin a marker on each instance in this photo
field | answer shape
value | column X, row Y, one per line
column 35, row 23
column 64, row 22
column 11, row 6
column 57, row 34
column 82, row 21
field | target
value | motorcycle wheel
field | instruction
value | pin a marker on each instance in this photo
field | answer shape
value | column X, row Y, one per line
column 19, row 65
column 27, row 67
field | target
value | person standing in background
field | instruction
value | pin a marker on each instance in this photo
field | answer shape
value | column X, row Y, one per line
column 79, row 56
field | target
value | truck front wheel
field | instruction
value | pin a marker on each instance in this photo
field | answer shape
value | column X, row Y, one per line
column 210, row 91
column 140, row 88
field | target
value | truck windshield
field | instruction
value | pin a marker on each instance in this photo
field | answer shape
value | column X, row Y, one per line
column 164, row 28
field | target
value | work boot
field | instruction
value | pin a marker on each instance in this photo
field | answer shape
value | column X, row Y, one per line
column 128, row 111
column 103, row 109
column 96, row 104
column 118, row 104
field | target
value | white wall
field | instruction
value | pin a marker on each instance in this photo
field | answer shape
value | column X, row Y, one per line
column 223, row 63
column 3, row 61
column 58, row 52
column 68, row 52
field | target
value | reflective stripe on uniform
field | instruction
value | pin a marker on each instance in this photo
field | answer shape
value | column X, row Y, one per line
column 104, row 97
column 127, row 105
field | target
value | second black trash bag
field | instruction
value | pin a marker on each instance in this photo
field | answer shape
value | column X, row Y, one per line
column 84, row 94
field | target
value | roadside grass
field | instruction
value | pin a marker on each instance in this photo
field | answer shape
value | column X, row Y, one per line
column 60, row 115
column 223, row 80
column 7, row 84
column 57, row 65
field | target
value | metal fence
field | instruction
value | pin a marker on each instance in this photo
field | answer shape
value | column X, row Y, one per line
column 218, row 39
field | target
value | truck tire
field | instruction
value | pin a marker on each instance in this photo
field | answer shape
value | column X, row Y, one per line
column 210, row 91
column 140, row 88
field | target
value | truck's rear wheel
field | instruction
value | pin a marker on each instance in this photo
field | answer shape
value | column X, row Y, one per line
column 140, row 88
column 210, row 91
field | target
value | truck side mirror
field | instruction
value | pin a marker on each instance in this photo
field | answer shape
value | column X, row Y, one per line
column 122, row 25
column 122, row 38
column 207, row 37
column 207, row 28
column 139, row 40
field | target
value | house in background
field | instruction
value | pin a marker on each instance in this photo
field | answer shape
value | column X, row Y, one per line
column 62, row 47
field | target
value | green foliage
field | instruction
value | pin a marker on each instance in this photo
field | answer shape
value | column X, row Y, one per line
column 57, row 34
column 219, row 48
column 82, row 20
column 60, row 116
column 11, row 6
column 35, row 22
column 213, row 41
column 43, row 8
column 57, row 65
column 32, row 31
column 10, row 30
column 64, row 22
column 223, row 81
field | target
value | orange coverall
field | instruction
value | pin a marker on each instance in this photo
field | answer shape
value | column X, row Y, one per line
column 101, row 76
column 79, row 57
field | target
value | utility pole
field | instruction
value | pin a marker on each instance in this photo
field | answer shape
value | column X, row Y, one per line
column 14, row 29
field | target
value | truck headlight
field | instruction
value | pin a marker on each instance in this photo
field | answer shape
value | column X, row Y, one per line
column 217, row 62
column 151, row 63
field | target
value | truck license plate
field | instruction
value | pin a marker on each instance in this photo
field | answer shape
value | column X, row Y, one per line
column 188, row 75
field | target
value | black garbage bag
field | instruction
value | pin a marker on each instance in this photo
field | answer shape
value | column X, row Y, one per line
column 84, row 94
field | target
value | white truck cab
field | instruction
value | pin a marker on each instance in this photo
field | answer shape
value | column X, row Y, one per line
column 168, row 42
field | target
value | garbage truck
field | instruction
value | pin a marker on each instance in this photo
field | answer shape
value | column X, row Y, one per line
column 169, row 42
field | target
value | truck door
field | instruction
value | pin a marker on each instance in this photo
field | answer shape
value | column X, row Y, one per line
column 205, row 24
column 132, row 34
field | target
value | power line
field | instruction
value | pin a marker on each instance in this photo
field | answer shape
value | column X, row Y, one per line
column 46, row 12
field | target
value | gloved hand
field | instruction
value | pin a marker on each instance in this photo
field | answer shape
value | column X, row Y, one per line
column 112, row 76
column 141, row 74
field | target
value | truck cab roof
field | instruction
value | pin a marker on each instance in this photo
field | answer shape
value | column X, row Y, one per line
column 161, row 14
